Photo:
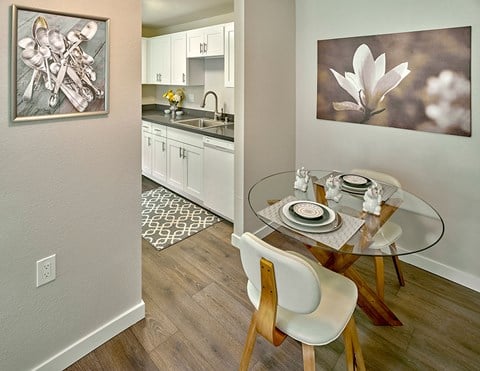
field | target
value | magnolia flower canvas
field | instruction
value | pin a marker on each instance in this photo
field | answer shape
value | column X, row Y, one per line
column 413, row 80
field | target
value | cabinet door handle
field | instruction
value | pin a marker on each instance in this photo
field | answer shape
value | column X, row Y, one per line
column 205, row 47
column 159, row 77
column 183, row 77
column 149, row 142
column 180, row 152
column 183, row 153
column 163, row 146
column 201, row 48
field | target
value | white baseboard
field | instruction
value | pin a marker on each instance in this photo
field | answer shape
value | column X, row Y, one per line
column 235, row 240
column 80, row 348
column 444, row 271
column 432, row 266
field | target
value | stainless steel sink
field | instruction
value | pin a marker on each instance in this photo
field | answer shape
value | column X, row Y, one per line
column 201, row 123
column 225, row 129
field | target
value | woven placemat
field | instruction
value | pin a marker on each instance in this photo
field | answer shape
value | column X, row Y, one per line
column 335, row 239
column 387, row 189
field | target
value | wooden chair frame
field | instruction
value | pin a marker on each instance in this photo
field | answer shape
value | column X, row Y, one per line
column 378, row 260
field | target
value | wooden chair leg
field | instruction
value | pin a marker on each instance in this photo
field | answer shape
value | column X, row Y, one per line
column 398, row 269
column 357, row 349
column 380, row 276
column 308, row 357
column 353, row 350
column 347, row 339
column 249, row 344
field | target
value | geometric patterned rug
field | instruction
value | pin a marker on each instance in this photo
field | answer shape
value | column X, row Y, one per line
column 168, row 218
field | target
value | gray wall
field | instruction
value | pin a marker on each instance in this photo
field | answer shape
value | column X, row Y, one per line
column 264, row 97
column 71, row 188
column 442, row 169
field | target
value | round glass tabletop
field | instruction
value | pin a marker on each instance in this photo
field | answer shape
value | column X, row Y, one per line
column 407, row 224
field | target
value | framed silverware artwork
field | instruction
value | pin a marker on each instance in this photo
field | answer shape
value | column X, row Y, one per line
column 60, row 65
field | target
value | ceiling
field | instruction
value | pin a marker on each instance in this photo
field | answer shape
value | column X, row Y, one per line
column 163, row 13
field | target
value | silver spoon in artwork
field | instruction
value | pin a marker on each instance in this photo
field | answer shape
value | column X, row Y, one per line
column 34, row 60
column 57, row 46
column 40, row 33
column 44, row 49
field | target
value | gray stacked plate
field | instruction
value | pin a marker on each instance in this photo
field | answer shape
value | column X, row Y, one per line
column 354, row 183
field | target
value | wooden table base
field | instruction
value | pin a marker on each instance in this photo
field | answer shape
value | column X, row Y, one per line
column 373, row 306
column 368, row 300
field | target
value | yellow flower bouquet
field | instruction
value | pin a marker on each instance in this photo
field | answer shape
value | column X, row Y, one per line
column 175, row 98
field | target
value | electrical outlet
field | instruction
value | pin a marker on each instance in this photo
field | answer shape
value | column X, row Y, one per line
column 46, row 270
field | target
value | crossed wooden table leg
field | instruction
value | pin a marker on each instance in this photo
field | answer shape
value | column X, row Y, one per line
column 368, row 300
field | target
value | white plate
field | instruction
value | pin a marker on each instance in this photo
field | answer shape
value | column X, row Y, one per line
column 353, row 180
column 327, row 218
column 337, row 223
column 308, row 210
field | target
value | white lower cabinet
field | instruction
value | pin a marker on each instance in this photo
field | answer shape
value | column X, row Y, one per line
column 154, row 151
column 147, row 148
column 159, row 155
column 185, row 163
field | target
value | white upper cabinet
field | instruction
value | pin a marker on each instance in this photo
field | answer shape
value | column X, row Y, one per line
column 229, row 61
column 179, row 58
column 164, row 61
column 205, row 42
column 144, row 60
column 159, row 60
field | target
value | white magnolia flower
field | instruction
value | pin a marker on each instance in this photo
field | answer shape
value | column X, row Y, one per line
column 447, row 115
column 448, row 86
column 369, row 83
column 449, row 94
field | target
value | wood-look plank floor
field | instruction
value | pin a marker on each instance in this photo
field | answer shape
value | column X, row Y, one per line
column 197, row 316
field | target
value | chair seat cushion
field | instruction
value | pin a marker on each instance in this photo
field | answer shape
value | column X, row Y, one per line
column 328, row 320
column 386, row 235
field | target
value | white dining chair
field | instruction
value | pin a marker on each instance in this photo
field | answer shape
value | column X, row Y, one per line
column 297, row 297
column 386, row 235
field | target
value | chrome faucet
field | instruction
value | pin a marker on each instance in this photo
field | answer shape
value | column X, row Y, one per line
column 216, row 115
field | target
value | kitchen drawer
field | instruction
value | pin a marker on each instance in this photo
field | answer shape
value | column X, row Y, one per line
column 185, row 137
column 146, row 126
column 159, row 130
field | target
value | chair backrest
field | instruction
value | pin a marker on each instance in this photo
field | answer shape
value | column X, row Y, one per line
column 381, row 177
column 298, row 285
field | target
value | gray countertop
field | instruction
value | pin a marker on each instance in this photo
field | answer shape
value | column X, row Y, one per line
column 158, row 117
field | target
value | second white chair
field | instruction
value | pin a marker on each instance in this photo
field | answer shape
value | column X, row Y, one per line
column 386, row 235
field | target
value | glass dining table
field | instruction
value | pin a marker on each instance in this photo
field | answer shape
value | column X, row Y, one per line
column 406, row 225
